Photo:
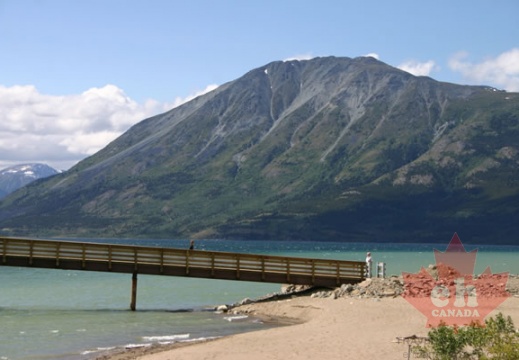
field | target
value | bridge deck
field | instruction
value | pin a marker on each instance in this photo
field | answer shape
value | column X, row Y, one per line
column 178, row 262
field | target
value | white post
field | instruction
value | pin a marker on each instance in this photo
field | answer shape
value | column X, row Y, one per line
column 381, row 269
column 369, row 262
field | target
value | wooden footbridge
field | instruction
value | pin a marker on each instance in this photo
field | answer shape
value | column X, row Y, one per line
column 69, row 255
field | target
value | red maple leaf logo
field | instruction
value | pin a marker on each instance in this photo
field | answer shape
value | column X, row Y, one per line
column 450, row 293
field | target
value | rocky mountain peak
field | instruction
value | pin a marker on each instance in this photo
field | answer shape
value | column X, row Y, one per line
column 332, row 148
column 14, row 177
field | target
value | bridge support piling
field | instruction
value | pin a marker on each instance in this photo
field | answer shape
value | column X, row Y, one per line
column 133, row 304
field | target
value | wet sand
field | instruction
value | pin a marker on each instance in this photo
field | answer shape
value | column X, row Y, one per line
column 343, row 328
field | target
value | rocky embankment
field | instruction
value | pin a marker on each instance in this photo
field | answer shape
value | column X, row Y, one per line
column 370, row 288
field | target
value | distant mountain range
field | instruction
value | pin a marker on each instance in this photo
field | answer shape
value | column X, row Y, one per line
column 15, row 177
column 335, row 149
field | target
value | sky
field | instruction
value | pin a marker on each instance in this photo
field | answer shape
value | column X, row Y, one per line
column 76, row 74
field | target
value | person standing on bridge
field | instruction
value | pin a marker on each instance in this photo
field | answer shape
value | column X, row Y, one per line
column 368, row 265
column 191, row 244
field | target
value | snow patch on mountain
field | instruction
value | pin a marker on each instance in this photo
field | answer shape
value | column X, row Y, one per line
column 15, row 177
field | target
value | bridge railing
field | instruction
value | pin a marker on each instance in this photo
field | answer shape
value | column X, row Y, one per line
column 162, row 260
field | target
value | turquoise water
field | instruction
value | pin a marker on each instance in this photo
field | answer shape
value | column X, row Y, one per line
column 57, row 314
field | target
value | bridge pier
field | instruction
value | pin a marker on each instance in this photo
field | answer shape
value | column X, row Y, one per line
column 133, row 304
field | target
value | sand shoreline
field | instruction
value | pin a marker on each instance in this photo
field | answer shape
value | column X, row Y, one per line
column 140, row 352
column 342, row 328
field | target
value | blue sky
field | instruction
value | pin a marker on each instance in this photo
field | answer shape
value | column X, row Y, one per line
column 75, row 74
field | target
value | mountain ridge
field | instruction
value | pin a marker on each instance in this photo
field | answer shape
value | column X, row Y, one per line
column 300, row 150
column 14, row 177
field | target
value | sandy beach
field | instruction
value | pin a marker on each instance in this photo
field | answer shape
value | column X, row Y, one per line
column 342, row 328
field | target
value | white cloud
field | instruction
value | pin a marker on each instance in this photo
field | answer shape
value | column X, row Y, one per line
column 300, row 57
column 418, row 68
column 501, row 71
column 181, row 100
column 88, row 144
column 373, row 55
column 62, row 130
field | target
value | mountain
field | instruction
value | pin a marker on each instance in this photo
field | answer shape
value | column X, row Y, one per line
column 326, row 149
column 15, row 177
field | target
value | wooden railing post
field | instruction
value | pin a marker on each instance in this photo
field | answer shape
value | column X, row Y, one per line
column 31, row 250
column 161, row 261
column 237, row 266
column 58, row 246
column 338, row 273
column 187, row 262
column 288, row 270
column 110, row 257
column 4, row 260
column 313, row 271
column 262, row 268
column 83, row 257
